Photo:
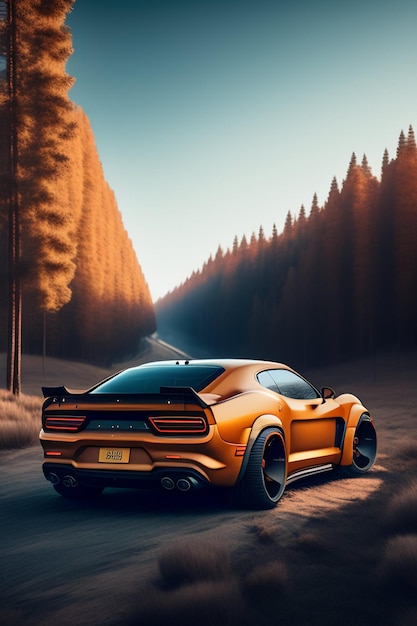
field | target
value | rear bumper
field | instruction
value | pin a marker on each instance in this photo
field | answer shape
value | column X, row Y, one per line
column 208, row 459
column 182, row 479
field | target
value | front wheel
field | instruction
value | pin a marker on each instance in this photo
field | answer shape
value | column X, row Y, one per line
column 364, row 448
column 264, row 480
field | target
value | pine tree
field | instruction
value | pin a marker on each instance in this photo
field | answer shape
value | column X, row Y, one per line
column 352, row 164
column 38, row 120
column 365, row 166
column 411, row 141
column 405, row 236
column 66, row 233
column 385, row 161
column 401, row 143
column 343, row 285
column 288, row 224
column 261, row 236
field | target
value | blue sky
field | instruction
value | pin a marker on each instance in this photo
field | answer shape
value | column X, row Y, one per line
column 214, row 117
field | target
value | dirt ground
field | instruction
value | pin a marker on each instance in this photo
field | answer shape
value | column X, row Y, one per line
column 85, row 563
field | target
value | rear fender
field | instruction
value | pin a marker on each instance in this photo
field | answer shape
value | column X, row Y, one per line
column 260, row 424
column 357, row 414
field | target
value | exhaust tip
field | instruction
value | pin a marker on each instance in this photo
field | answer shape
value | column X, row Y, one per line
column 53, row 478
column 69, row 481
column 167, row 483
column 183, row 484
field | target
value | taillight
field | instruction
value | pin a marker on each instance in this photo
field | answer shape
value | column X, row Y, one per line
column 179, row 425
column 68, row 423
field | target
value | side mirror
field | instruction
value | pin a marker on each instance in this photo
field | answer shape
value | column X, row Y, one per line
column 326, row 393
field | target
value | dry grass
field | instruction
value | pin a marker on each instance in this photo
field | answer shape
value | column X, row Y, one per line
column 206, row 603
column 265, row 582
column 189, row 562
column 196, row 586
column 397, row 573
column 20, row 420
column 399, row 563
column 303, row 576
column 333, row 551
column 401, row 514
column 311, row 543
column 200, row 583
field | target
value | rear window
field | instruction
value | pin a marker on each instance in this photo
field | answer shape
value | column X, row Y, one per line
column 149, row 379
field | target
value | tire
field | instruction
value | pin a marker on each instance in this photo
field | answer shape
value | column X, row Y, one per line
column 75, row 491
column 264, row 480
column 364, row 449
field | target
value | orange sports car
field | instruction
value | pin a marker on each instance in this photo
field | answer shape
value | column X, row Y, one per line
column 253, row 426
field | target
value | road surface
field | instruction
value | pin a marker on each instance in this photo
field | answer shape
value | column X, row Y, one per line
column 82, row 563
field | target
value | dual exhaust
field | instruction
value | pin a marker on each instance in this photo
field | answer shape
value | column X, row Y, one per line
column 169, row 484
column 68, row 480
column 182, row 484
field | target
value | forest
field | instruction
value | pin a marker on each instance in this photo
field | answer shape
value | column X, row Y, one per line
column 70, row 282
column 336, row 284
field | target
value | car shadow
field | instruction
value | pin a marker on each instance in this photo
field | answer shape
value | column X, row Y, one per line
column 124, row 501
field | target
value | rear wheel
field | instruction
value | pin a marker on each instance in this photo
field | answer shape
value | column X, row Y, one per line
column 364, row 448
column 264, row 480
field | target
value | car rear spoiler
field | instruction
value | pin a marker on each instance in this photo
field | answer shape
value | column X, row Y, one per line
column 184, row 394
column 59, row 391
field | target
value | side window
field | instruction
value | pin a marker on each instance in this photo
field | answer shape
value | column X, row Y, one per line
column 266, row 380
column 289, row 384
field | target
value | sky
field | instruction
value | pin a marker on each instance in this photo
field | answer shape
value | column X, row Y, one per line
column 215, row 117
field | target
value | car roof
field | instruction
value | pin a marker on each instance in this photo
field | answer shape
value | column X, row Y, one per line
column 239, row 375
column 226, row 363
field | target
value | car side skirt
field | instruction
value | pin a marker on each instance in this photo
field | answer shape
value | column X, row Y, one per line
column 309, row 471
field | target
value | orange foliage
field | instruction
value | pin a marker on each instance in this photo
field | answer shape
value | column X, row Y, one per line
column 74, row 248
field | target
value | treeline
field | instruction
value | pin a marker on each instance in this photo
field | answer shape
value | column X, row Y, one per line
column 63, row 245
column 338, row 283
column 110, row 308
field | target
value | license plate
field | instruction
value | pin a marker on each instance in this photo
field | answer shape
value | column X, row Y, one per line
column 114, row 455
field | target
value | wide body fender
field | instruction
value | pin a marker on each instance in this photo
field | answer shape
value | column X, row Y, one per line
column 262, row 423
column 356, row 412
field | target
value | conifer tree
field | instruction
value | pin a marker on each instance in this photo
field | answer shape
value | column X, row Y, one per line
column 302, row 216
column 66, row 233
column 401, row 143
column 288, row 224
column 411, row 141
column 385, row 161
column 38, row 120
column 405, row 237
column 342, row 285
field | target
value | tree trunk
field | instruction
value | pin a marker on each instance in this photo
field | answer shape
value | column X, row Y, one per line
column 15, row 295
